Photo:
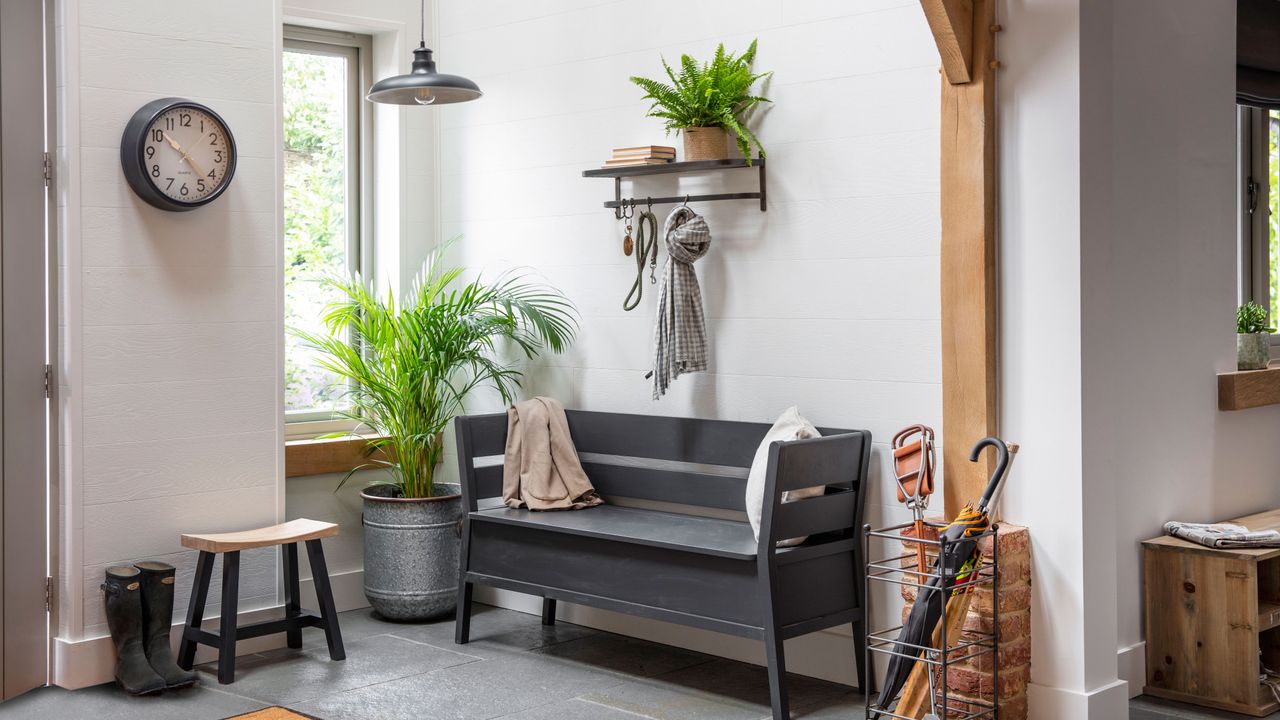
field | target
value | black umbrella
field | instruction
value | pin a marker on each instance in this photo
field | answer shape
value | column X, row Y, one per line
column 957, row 562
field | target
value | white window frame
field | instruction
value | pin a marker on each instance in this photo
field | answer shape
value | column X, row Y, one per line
column 358, row 50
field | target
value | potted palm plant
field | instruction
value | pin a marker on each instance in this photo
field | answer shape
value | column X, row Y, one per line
column 707, row 102
column 1253, row 337
column 408, row 368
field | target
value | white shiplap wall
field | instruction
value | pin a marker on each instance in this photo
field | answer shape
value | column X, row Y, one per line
column 170, row 323
column 829, row 300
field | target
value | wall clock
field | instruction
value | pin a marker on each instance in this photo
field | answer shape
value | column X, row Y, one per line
column 177, row 154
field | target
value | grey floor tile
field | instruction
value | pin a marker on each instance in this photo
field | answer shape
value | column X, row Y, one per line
column 841, row 707
column 354, row 624
column 577, row 709
column 625, row 655
column 666, row 702
column 1146, row 707
column 505, row 684
column 107, row 702
column 494, row 630
column 717, row 689
column 279, row 677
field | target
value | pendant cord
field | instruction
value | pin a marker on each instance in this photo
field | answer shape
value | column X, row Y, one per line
column 422, row 29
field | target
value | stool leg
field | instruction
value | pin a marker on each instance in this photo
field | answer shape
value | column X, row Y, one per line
column 292, row 605
column 324, row 595
column 227, row 627
column 548, row 611
column 195, row 609
column 462, row 624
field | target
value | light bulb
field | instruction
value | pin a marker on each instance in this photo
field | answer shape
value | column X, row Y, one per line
column 424, row 97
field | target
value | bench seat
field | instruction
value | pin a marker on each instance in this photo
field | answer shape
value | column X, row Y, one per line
column 676, row 531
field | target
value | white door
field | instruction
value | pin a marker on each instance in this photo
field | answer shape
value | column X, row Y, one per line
column 25, row 207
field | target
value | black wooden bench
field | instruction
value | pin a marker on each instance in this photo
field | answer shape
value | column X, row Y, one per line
column 699, row 571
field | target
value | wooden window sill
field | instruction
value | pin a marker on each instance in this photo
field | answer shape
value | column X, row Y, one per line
column 324, row 455
column 1249, row 388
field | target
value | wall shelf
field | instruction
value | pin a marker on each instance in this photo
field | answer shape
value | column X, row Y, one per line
column 1249, row 388
column 694, row 166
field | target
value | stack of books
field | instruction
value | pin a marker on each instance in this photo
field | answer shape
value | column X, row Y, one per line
column 643, row 155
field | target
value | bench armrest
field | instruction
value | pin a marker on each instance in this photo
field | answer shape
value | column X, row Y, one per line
column 839, row 462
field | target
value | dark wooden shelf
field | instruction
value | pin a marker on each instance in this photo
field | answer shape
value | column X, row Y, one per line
column 633, row 171
column 673, row 167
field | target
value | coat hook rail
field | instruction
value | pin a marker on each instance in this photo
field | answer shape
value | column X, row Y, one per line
column 694, row 166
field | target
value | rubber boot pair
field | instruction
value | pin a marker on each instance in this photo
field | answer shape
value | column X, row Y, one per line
column 140, row 612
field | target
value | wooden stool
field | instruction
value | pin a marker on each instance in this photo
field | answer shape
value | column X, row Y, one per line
column 230, row 544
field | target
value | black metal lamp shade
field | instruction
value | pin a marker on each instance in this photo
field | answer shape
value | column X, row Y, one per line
column 423, row 85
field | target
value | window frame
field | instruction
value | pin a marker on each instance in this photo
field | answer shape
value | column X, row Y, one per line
column 357, row 49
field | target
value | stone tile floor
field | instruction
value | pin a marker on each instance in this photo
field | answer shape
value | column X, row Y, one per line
column 513, row 668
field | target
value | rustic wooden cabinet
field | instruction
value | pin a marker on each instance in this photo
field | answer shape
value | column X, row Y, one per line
column 1213, row 621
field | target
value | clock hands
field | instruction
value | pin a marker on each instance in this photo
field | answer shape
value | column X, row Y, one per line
column 185, row 155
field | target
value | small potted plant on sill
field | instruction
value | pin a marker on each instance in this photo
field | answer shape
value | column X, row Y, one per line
column 408, row 368
column 1253, row 337
column 708, row 102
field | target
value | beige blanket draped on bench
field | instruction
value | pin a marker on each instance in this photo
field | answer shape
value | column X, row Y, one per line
column 541, row 470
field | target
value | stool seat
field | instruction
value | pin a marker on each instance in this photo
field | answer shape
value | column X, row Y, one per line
column 293, row 531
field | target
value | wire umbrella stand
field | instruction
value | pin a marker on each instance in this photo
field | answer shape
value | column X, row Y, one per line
column 900, row 570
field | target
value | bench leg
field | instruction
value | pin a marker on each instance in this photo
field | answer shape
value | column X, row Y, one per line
column 462, row 625
column 292, row 605
column 195, row 609
column 860, row 657
column 777, row 674
column 548, row 611
column 324, row 596
column 227, row 625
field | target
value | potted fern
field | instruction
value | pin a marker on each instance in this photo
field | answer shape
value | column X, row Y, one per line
column 1253, row 337
column 408, row 367
column 708, row 102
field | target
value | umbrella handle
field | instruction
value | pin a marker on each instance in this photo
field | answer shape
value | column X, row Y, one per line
column 1002, row 463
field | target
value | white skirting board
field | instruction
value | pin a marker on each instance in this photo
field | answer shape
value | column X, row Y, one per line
column 91, row 661
column 1109, row 702
column 1131, row 666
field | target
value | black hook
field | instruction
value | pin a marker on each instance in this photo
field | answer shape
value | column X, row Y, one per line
column 650, row 204
column 1002, row 463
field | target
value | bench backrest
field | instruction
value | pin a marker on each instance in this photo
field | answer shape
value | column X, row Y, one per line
column 686, row 461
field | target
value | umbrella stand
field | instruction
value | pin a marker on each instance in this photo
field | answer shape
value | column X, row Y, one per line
column 934, row 659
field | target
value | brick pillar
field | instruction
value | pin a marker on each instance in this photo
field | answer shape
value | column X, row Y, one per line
column 972, row 677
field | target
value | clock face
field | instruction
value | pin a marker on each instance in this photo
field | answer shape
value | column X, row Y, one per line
column 178, row 155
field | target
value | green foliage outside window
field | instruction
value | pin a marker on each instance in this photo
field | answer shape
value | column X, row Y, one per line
column 1273, row 172
column 315, row 215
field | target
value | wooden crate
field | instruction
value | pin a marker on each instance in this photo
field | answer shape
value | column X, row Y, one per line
column 1210, row 613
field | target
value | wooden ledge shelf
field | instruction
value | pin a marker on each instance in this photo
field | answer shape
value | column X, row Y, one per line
column 1249, row 388
column 324, row 455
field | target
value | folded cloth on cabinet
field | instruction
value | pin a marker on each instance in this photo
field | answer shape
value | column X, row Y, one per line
column 1223, row 535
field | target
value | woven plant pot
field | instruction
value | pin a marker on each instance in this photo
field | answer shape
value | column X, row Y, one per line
column 706, row 143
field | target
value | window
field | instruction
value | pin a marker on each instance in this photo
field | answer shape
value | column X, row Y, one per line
column 325, row 77
column 1259, row 220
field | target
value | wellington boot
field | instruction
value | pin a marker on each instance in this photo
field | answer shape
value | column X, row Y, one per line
column 124, row 617
column 157, row 619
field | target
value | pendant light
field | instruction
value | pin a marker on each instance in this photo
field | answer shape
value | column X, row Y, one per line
column 423, row 85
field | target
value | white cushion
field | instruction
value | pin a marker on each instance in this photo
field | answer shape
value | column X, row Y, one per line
column 790, row 426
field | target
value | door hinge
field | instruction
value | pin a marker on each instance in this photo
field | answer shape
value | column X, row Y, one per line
column 48, row 170
column 48, row 381
column 48, row 594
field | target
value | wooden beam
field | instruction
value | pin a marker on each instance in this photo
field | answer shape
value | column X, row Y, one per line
column 968, row 277
column 952, row 24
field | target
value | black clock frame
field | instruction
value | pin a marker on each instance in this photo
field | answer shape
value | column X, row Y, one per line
column 133, row 144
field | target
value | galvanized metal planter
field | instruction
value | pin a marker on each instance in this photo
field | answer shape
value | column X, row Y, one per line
column 411, row 552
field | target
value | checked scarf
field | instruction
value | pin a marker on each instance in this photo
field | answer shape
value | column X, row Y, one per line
column 680, row 334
